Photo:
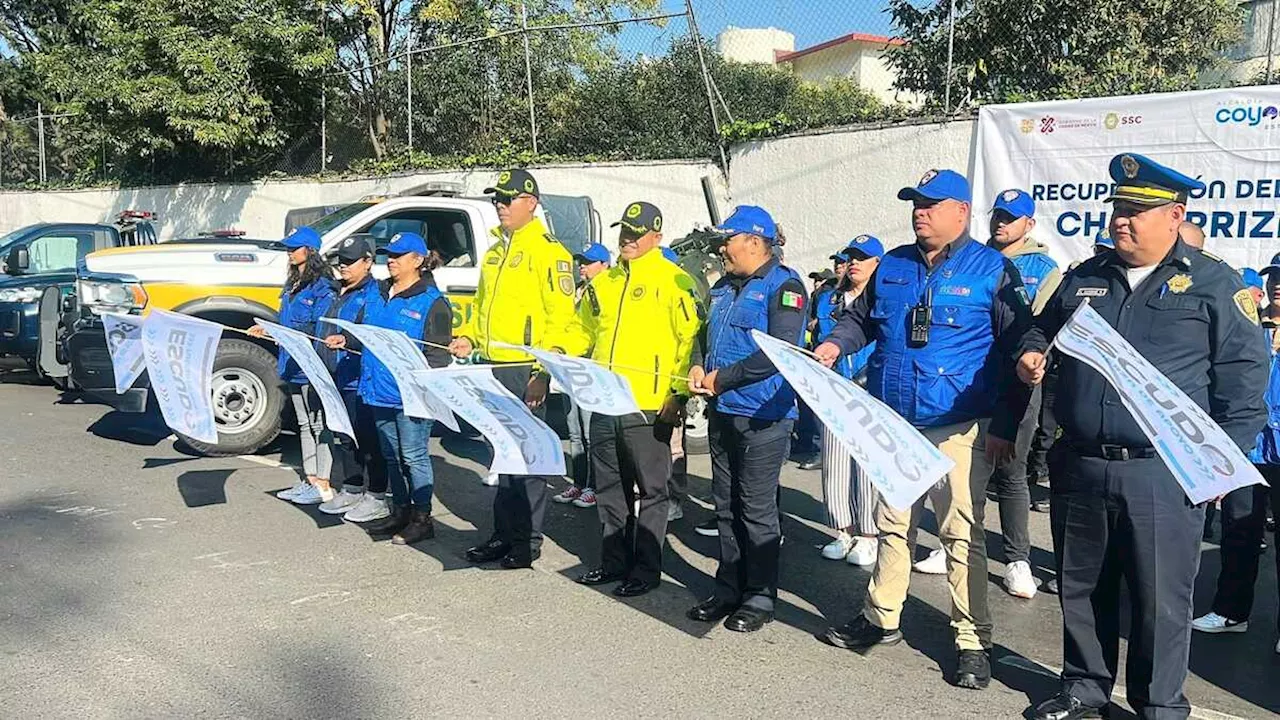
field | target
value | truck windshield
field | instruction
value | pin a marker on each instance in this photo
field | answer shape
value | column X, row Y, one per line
column 336, row 218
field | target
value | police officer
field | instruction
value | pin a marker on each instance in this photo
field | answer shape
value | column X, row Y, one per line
column 1117, row 511
column 525, row 297
column 642, row 326
column 946, row 314
column 750, row 416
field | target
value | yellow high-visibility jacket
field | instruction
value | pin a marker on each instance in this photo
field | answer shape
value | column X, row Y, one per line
column 525, row 297
column 641, row 320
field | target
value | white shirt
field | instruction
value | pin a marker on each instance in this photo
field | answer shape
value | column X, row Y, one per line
column 1138, row 275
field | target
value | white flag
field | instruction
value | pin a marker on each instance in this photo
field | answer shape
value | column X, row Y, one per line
column 124, row 343
column 522, row 444
column 898, row 460
column 594, row 387
column 1203, row 458
column 304, row 353
column 179, row 352
column 403, row 358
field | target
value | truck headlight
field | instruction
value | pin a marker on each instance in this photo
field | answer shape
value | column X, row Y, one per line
column 107, row 296
column 20, row 295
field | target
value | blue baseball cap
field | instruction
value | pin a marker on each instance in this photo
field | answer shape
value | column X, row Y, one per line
column 1271, row 267
column 1017, row 203
column 594, row 253
column 939, row 185
column 671, row 255
column 1143, row 181
column 749, row 220
column 1104, row 241
column 302, row 237
column 1252, row 279
column 406, row 242
column 866, row 246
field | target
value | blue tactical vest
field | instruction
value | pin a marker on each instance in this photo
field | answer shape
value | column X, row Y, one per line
column 729, row 333
column 407, row 314
column 300, row 311
column 953, row 378
column 1033, row 268
column 824, row 310
column 1267, row 450
column 344, row 364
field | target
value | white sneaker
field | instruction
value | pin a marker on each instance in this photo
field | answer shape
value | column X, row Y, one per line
column 935, row 564
column 341, row 503
column 839, row 548
column 369, row 508
column 491, row 479
column 864, row 553
column 291, row 492
column 1018, row 580
column 675, row 511
column 1215, row 623
column 310, row 495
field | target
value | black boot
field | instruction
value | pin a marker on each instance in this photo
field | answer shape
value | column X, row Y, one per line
column 419, row 528
column 393, row 523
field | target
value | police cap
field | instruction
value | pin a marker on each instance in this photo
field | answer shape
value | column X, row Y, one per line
column 641, row 218
column 514, row 182
column 1143, row 181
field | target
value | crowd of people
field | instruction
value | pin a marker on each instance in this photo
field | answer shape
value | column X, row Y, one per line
column 953, row 334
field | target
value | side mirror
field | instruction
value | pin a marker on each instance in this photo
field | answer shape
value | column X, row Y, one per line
column 18, row 262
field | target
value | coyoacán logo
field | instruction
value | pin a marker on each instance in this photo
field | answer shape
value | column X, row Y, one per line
column 1251, row 115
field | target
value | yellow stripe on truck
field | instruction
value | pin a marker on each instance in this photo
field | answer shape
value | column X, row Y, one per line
column 161, row 247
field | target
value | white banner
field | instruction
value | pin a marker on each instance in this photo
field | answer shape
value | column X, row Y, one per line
column 179, row 352
column 1059, row 152
column 403, row 358
column 124, row 343
column 522, row 444
column 899, row 461
column 304, row 353
column 595, row 388
column 1203, row 459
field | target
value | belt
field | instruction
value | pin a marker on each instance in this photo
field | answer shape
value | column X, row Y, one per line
column 1111, row 452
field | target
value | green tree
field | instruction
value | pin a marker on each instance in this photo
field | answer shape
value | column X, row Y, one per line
column 1057, row 49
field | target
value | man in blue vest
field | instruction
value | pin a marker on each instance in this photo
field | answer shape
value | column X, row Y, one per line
column 947, row 315
column 751, row 413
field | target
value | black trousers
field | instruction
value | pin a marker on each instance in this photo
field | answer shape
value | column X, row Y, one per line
column 371, row 468
column 746, row 460
column 1047, row 431
column 1130, row 520
column 631, row 460
column 1244, row 521
column 521, row 501
column 1012, row 490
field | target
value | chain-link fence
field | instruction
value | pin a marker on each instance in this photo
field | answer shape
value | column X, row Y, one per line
column 498, row 82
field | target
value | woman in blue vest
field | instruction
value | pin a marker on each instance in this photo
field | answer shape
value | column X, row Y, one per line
column 307, row 293
column 411, row 303
column 363, row 471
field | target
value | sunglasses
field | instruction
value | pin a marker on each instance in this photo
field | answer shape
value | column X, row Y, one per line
column 506, row 200
column 346, row 262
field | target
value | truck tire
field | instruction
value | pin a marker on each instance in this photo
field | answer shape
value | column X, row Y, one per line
column 695, row 427
column 247, row 400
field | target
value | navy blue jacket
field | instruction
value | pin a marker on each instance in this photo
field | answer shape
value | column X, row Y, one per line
column 351, row 306
column 422, row 313
column 299, row 311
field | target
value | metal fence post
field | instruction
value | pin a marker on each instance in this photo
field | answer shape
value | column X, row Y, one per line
column 40, row 132
column 408, row 65
column 1271, row 41
column 528, row 74
column 951, row 44
column 324, row 125
column 706, row 80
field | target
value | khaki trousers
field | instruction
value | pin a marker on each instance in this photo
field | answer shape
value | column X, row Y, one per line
column 958, row 500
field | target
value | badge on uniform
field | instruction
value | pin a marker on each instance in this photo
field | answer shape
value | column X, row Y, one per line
column 793, row 300
column 566, row 285
column 1093, row 292
column 1179, row 283
column 562, row 266
column 515, row 260
column 1244, row 301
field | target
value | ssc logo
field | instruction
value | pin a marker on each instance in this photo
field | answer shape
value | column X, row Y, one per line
column 633, row 211
column 504, row 178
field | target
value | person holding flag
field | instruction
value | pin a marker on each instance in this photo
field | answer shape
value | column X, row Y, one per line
column 642, row 325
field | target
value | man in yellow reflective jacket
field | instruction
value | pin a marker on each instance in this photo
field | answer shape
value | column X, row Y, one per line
column 525, row 297
column 642, row 323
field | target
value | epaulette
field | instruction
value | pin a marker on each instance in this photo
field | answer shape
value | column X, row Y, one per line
column 1211, row 256
column 550, row 238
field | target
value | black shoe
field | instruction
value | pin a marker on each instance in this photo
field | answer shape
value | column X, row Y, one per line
column 811, row 464
column 488, row 552
column 599, row 576
column 519, row 561
column 1050, row 586
column 634, row 587
column 1065, row 706
column 973, row 669
column 393, row 523
column 710, row 528
column 710, row 610
column 419, row 528
column 861, row 635
column 748, row 619
column 1040, row 506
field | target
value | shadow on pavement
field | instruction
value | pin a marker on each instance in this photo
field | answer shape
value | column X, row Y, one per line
column 204, row 487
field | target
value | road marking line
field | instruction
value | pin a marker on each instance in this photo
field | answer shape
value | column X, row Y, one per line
column 266, row 462
column 1022, row 663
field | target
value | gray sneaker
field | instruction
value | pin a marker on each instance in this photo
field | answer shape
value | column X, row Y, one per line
column 369, row 508
column 674, row 511
column 341, row 503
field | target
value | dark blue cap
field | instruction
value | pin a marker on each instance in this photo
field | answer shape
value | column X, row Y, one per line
column 939, row 185
column 303, row 237
column 407, row 242
column 1017, row 203
column 1104, row 240
column 750, row 220
column 1273, row 266
column 1143, row 181
column 841, row 256
column 671, row 255
column 594, row 253
column 863, row 247
column 1252, row 279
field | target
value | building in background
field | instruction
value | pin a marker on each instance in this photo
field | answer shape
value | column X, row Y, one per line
column 1248, row 60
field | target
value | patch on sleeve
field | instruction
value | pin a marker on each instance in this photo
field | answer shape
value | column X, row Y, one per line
column 566, row 285
column 562, row 266
column 1249, row 308
column 1021, row 292
column 793, row 300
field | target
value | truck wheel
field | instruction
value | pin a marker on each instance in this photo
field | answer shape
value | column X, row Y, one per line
column 247, row 400
column 695, row 427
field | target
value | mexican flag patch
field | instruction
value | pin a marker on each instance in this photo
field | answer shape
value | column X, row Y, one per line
column 792, row 300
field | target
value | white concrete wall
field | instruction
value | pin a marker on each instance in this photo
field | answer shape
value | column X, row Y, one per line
column 259, row 208
column 827, row 188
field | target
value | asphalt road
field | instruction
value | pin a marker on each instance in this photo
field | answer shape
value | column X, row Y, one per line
column 137, row 581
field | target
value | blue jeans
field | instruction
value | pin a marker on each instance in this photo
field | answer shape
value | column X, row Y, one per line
column 579, row 422
column 403, row 440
